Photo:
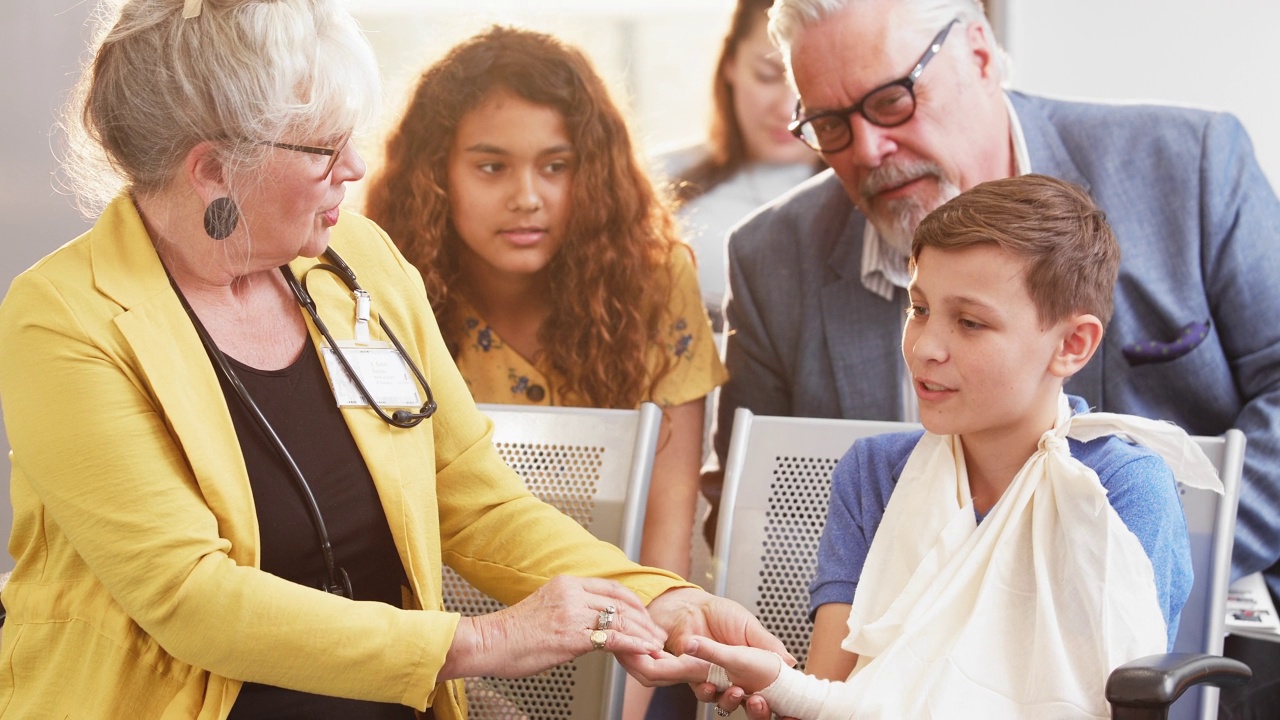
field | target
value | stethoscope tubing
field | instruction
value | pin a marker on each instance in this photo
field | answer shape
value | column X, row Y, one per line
column 399, row 418
column 338, row 582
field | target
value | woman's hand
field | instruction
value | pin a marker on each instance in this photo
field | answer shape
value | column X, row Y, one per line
column 747, row 667
column 551, row 626
column 663, row 668
column 686, row 613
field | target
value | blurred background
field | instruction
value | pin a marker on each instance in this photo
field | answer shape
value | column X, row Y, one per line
column 657, row 57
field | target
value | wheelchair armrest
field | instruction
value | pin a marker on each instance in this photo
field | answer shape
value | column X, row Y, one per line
column 1157, row 680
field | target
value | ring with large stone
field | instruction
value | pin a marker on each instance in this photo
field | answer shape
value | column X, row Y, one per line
column 598, row 639
column 604, row 620
column 722, row 712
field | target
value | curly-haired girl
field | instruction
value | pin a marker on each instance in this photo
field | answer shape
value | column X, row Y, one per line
column 553, row 267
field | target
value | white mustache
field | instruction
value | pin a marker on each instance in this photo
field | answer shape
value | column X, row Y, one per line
column 896, row 174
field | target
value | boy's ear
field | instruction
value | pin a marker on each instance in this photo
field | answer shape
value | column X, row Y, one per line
column 1081, row 335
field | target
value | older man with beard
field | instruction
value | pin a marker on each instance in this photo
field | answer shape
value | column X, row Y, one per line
column 904, row 99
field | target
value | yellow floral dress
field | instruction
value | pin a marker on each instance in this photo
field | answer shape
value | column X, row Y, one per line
column 496, row 373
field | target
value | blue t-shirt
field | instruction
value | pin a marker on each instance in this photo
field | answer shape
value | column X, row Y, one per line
column 1139, row 486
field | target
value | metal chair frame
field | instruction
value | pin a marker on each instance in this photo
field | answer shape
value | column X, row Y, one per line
column 594, row 465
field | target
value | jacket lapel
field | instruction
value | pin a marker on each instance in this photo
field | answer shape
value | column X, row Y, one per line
column 1049, row 156
column 868, row 387
column 400, row 460
column 176, row 370
column 179, row 375
column 1048, row 153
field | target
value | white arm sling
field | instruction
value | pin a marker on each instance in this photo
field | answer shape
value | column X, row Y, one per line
column 1020, row 617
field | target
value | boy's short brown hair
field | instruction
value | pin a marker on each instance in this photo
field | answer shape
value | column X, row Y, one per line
column 1072, row 258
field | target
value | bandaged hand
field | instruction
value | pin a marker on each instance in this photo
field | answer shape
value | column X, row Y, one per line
column 751, row 669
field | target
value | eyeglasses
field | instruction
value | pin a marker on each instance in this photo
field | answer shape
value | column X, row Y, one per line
column 334, row 152
column 889, row 105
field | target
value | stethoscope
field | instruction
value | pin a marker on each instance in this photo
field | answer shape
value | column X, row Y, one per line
column 337, row 582
column 399, row 418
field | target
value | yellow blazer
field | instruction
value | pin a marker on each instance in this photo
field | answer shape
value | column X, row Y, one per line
column 136, row 592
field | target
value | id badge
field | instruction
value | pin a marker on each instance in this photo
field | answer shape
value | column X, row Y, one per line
column 382, row 370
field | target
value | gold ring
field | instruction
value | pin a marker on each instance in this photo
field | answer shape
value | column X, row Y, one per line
column 598, row 639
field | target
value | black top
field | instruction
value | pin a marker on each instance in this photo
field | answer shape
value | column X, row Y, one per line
column 299, row 405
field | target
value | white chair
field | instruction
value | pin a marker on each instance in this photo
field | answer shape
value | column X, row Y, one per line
column 774, row 505
column 1211, row 523
column 593, row 465
column 777, row 485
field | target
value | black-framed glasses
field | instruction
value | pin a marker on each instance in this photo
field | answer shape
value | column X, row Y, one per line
column 333, row 152
column 889, row 105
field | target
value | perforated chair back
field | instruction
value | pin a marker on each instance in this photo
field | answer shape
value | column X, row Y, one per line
column 1211, row 523
column 773, row 508
column 593, row 465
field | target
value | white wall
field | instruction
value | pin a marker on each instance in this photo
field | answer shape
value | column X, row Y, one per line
column 40, row 47
column 1219, row 55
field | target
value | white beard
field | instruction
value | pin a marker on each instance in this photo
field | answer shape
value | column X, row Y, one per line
column 896, row 221
column 897, row 225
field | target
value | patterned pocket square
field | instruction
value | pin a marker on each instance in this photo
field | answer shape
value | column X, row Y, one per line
column 1150, row 351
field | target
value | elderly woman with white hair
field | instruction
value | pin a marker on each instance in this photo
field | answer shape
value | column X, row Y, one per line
column 209, row 534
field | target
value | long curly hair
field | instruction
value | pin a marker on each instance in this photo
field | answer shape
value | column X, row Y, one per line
column 613, row 273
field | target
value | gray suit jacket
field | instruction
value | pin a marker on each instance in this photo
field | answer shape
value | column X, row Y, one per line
column 1199, row 231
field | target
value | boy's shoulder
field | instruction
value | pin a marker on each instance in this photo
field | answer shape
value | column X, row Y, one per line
column 882, row 452
column 1111, row 456
column 868, row 473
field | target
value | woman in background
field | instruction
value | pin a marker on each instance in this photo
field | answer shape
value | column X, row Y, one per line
column 554, row 270
column 749, row 157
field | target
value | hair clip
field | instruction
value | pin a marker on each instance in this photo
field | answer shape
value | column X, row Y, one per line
column 192, row 8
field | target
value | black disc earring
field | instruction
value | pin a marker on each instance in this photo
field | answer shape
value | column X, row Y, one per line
column 221, row 218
